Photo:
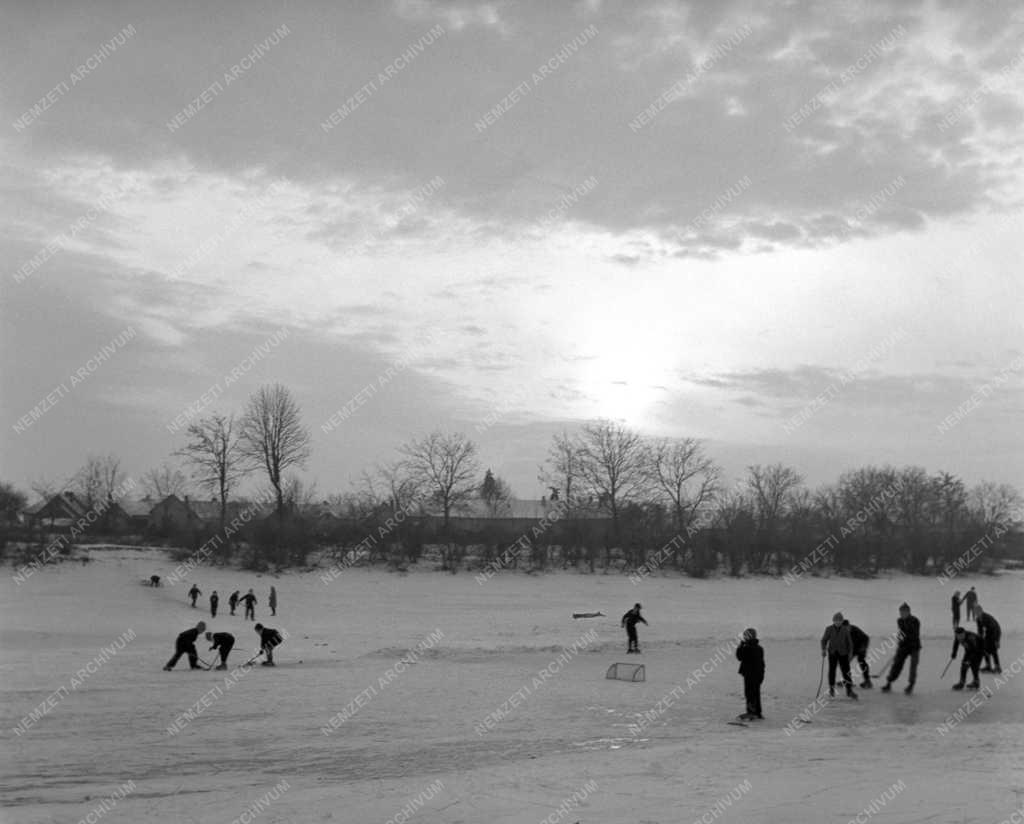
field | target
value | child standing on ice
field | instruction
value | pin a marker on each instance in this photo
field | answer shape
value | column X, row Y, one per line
column 838, row 646
column 955, row 607
column 250, row 605
column 751, row 658
column 233, row 601
column 194, row 593
column 629, row 621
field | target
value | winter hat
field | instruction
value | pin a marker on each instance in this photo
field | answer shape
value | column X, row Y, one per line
column 905, row 606
column 837, row 617
column 750, row 634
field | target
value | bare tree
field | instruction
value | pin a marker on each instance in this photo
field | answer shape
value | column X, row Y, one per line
column 99, row 480
column 771, row 489
column 273, row 437
column 12, row 501
column 163, row 481
column 214, row 454
column 561, row 471
column 613, row 467
column 684, row 476
column 444, row 466
column 993, row 504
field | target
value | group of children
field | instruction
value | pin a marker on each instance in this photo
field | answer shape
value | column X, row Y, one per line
column 224, row 642
column 248, row 600
column 842, row 642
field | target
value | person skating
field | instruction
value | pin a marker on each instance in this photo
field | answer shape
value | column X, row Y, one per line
column 990, row 632
column 224, row 642
column 214, row 600
column 233, row 601
column 186, row 645
column 272, row 601
column 972, row 645
column 909, row 646
column 837, row 645
column 750, row 654
column 194, row 593
column 269, row 638
column 629, row 621
column 860, row 642
column 250, row 605
column 955, row 607
column 970, row 599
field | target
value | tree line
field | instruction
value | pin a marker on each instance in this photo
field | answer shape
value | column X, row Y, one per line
column 614, row 499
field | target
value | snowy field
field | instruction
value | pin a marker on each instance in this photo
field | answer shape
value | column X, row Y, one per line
column 465, row 729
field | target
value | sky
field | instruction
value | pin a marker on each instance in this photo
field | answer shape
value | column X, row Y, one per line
column 791, row 229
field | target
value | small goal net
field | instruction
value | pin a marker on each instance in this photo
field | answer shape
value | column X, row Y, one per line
column 627, row 672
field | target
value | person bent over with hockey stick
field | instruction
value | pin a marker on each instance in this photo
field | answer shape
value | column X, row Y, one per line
column 186, row 645
column 629, row 621
column 860, row 641
column 990, row 632
column 224, row 642
column 836, row 644
column 909, row 646
column 972, row 657
column 269, row 638
column 751, row 657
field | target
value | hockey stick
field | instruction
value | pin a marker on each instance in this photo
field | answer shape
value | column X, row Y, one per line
column 950, row 661
column 821, row 679
column 201, row 661
column 257, row 655
column 887, row 664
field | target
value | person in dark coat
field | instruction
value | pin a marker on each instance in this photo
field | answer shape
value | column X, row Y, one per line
column 233, row 601
column 272, row 601
column 214, row 600
column 629, row 621
column 194, row 593
column 909, row 646
column 154, row 580
column 186, row 645
column 990, row 632
column 972, row 645
column 954, row 605
column 269, row 638
column 837, row 645
column 250, row 605
column 860, row 641
column 970, row 599
column 224, row 642
column 751, row 657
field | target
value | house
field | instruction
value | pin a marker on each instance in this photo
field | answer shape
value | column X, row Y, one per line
column 174, row 514
column 61, row 510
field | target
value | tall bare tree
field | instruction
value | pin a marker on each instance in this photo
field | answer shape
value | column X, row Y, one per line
column 445, row 466
column 771, row 490
column 214, row 453
column 163, row 481
column 683, row 476
column 98, row 481
column 613, row 467
column 561, row 471
column 273, row 436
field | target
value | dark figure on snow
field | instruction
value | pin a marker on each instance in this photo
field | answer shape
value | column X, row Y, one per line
column 214, row 600
column 751, row 657
column 186, row 645
column 224, row 642
column 629, row 621
column 955, row 607
column 860, row 641
column 194, row 593
column 154, row 580
column 972, row 657
column 990, row 632
column 970, row 600
column 233, row 601
column 909, row 646
column 272, row 601
column 838, row 646
column 269, row 638
column 250, row 605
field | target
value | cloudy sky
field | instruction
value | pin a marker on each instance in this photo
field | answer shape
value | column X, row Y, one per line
column 792, row 229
